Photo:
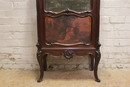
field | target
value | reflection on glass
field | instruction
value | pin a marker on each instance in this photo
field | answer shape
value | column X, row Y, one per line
column 60, row 5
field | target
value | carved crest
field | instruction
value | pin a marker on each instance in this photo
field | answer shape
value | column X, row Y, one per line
column 68, row 54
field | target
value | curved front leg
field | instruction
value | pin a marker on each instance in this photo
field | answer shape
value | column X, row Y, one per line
column 97, row 59
column 40, row 61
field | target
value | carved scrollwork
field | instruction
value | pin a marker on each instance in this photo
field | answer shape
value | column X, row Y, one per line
column 98, row 50
column 68, row 54
column 99, row 44
column 39, row 51
column 57, row 43
column 68, row 12
column 98, row 53
column 38, row 45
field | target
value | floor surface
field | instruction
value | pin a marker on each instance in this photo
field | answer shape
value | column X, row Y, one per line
column 78, row 78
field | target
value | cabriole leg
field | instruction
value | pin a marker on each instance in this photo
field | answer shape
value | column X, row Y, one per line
column 40, row 61
column 97, row 59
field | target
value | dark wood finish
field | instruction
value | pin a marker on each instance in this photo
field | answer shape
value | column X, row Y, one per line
column 91, row 62
column 68, row 30
column 82, row 29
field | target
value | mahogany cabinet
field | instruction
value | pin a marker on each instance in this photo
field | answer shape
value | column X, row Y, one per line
column 68, row 28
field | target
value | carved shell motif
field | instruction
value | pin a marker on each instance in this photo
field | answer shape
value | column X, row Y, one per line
column 68, row 54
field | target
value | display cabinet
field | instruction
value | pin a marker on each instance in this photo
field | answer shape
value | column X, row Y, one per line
column 69, row 28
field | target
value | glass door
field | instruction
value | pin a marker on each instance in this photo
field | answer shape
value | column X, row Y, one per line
column 68, row 29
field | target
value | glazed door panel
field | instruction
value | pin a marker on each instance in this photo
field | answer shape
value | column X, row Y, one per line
column 68, row 29
column 60, row 5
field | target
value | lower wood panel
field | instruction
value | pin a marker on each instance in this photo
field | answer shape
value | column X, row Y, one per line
column 68, row 29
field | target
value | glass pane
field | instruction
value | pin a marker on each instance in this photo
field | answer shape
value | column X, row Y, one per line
column 68, row 29
column 59, row 5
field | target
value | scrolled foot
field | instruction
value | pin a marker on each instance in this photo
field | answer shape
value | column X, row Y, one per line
column 97, row 80
column 40, row 79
